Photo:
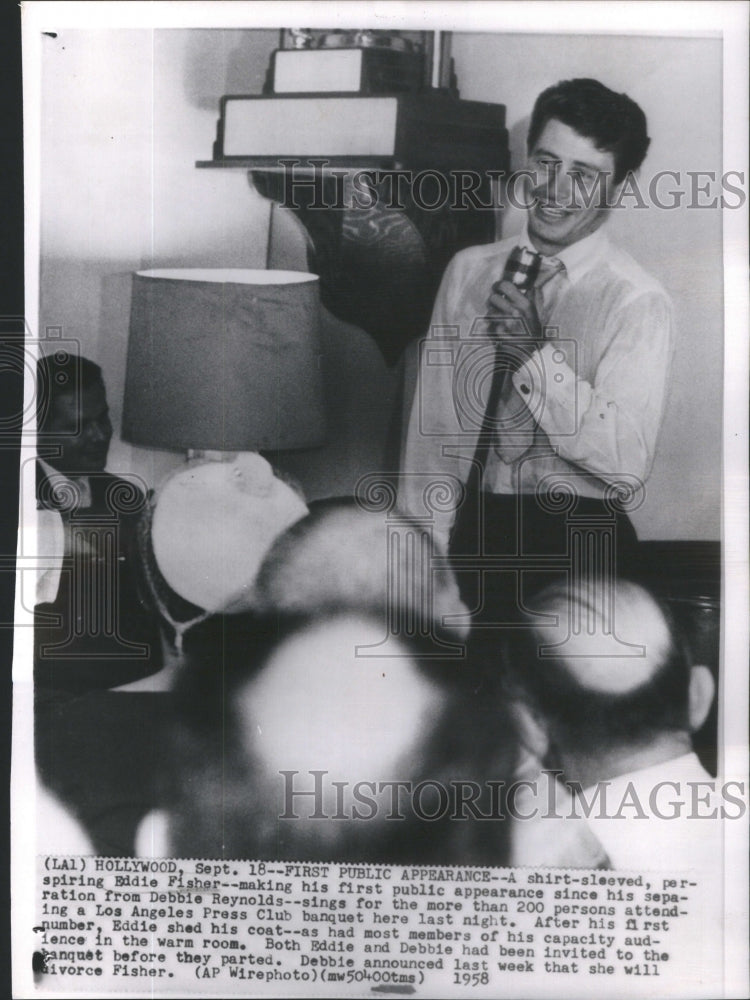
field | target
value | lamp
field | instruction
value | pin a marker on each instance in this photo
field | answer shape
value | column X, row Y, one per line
column 220, row 362
column 224, row 360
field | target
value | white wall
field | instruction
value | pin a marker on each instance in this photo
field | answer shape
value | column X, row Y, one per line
column 677, row 82
column 125, row 116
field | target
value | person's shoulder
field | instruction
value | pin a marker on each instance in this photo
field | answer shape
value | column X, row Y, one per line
column 474, row 265
column 467, row 280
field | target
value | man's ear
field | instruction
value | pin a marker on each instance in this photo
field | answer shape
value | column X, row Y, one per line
column 700, row 696
column 152, row 836
column 614, row 191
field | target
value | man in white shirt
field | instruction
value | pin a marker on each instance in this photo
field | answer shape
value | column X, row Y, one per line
column 608, row 692
column 579, row 364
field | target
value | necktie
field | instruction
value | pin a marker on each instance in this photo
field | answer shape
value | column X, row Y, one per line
column 546, row 287
column 513, row 423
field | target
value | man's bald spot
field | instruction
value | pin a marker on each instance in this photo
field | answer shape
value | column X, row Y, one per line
column 333, row 555
column 318, row 703
column 343, row 556
column 611, row 641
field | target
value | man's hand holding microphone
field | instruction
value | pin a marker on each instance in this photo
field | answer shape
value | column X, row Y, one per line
column 512, row 300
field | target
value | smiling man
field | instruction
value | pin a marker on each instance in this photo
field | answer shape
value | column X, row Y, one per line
column 546, row 374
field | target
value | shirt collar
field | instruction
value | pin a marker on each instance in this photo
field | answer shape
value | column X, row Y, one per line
column 579, row 257
column 48, row 470
column 82, row 483
column 686, row 768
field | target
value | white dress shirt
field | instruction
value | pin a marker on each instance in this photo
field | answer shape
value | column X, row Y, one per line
column 69, row 486
column 662, row 818
column 595, row 392
column 53, row 538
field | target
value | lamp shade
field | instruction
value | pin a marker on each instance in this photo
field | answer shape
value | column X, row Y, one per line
column 224, row 360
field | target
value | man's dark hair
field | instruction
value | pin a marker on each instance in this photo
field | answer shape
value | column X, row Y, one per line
column 594, row 720
column 62, row 373
column 614, row 122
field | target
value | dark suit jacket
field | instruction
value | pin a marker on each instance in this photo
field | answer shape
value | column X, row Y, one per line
column 100, row 754
column 98, row 632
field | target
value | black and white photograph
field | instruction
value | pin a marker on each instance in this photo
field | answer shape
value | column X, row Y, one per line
column 382, row 568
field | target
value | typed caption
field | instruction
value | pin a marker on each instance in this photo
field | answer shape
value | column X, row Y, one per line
column 342, row 929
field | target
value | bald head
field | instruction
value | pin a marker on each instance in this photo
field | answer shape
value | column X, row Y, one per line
column 342, row 556
column 610, row 640
column 607, row 670
column 266, row 704
column 319, row 703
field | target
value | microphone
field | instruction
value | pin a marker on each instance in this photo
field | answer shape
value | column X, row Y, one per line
column 522, row 268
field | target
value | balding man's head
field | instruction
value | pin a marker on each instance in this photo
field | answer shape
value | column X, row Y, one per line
column 320, row 681
column 288, row 729
column 607, row 669
column 341, row 556
column 609, row 640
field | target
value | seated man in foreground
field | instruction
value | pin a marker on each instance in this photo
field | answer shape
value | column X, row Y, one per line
column 292, row 743
column 299, row 726
column 345, row 677
column 608, row 687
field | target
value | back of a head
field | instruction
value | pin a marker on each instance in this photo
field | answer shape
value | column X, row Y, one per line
column 291, row 742
column 614, row 122
column 342, row 556
column 608, row 671
column 213, row 523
